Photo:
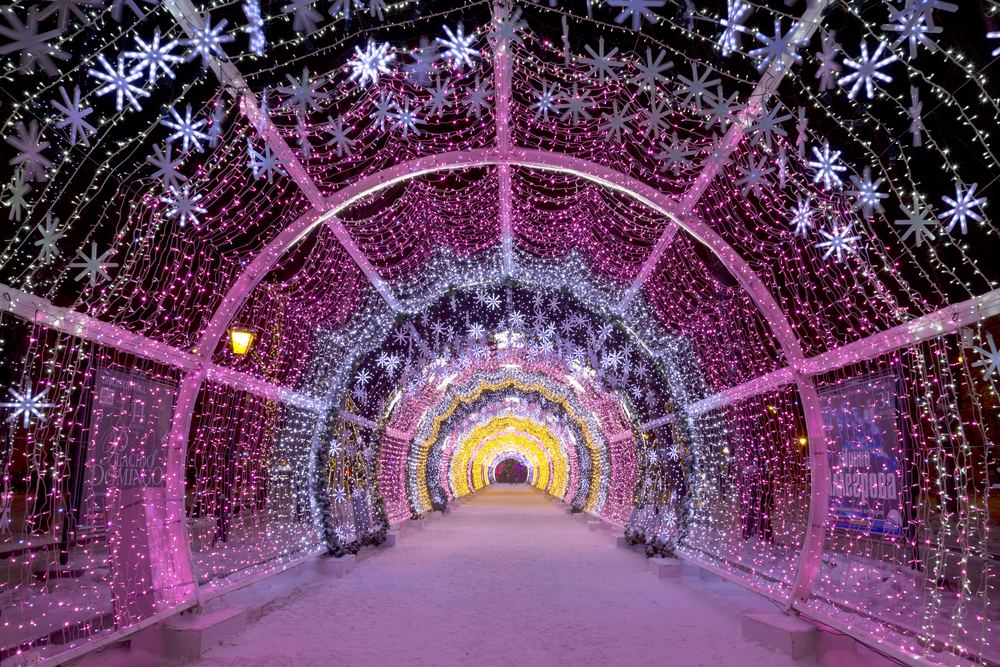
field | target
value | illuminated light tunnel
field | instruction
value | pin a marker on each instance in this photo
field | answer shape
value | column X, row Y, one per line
column 278, row 281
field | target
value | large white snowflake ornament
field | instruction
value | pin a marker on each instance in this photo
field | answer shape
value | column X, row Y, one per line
column 406, row 119
column 828, row 68
column 30, row 146
column 637, row 10
column 51, row 234
column 303, row 94
column 839, row 241
column 754, row 176
column 27, row 405
column 779, row 48
column 602, row 65
column 802, row 217
column 18, row 189
column 255, row 26
column 305, row 15
column 207, row 41
column 338, row 136
column 93, row 266
column 166, row 166
column 184, row 206
column 962, row 207
column 32, row 45
column 868, row 193
column 119, row 82
column 827, row 167
column 267, row 163
column 73, row 117
column 866, row 70
column 737, row 12
column 458, row 47
column 186, row 129
column 154, row 56
column 917, row 222
column 545, row 100
column 370, row 63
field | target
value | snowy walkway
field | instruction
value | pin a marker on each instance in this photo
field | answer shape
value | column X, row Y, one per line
column 506, row 579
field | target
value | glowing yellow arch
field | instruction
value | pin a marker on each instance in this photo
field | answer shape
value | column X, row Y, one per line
column 548, row 456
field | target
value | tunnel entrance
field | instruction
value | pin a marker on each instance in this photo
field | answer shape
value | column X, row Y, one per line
column 511, row 471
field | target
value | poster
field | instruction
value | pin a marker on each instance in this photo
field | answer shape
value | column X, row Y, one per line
column 124, row 485
column 126, row 449
column 865, row 448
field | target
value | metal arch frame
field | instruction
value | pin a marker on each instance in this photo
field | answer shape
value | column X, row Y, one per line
column 547, row 161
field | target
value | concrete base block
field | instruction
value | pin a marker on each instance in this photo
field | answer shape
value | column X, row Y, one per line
column 414, row 524
column 391, row 537
column 665, row 568
column 593, row 526
column 788, row 634
column 189, row 636
column 622, row 542
column 337, row 567
column 436, row 514
column 447, row 508
column 835, row 641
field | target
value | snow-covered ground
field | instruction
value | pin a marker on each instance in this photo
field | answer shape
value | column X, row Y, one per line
column 505, row 579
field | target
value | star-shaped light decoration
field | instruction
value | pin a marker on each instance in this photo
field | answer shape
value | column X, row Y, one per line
column 154, row 56
column 601, row 65
column 119, row 82
column 371, row 62
column 93, row 266
column 73, row 116
column 51, row 234
column 27, row 405
column 827, row 167
column 839, row 241
column 779, row 48
column 186, row 129
column 917, row 222
column 458, row 47
column 737, row 12
column 868, row 194
column 802, row 217
column 207, row 42
column 962, row 207
column 867, row 70
column 183, row 205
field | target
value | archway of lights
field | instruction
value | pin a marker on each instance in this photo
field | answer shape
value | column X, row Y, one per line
column 721, row 273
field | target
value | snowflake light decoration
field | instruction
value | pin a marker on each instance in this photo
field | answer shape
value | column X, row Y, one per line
column 93, row 266
column 183, row 205
column 994, row 35
column 73, row 117
column 166, row 166
column 697, row 87
column 737, row 12
column 27, row 405
column 17, row 188
column 868, row 193
column 267, row 163
column 828, row 68
column 637, row 10
column 64, row 7
column 186, row 130
column 917, row 222
column 30, row 146
column 51, row 234
column 207, row 41
column 119, row 82
column 305, row 17
column 371, row 62
column 338, row 136
column 406, row 119
column 754, row 176
column 546, row 100
column 505, row 28
column 827, row 167
column 601, row 65
column 255, row 26
column 962, row 207
column 575, row 106
column 32, row 45
column 779, row 48
column 154, row 56
column 458, row 47
column 802, row 217
column 913, row 27
column 303, row 94
column 867, row 70
column 676, row 155
column 838, row 241
column 651, row 72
